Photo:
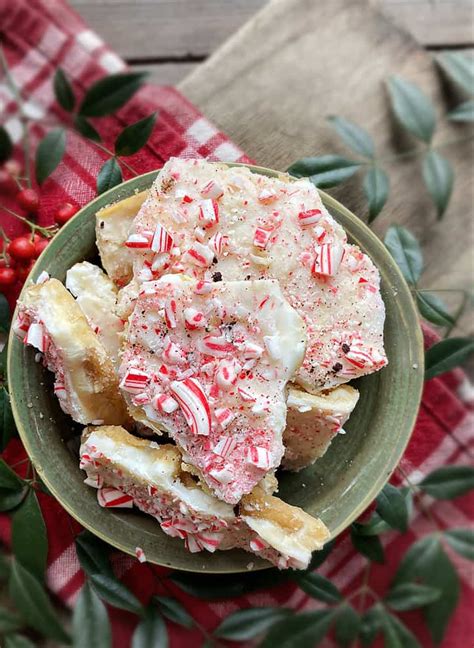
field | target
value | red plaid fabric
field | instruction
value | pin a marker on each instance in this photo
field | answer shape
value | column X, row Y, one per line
column 40, row 35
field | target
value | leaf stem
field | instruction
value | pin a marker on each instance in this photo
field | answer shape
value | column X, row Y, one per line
column 112, row 154
column 458, row 314
column 48, row 232
column 417, row 497
column 419, row 152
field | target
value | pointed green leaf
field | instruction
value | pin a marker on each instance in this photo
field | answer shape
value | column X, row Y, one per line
column 244, row 625
column 4, row 568
column 28, row 523
column 304, row 630
column 368, row 546
column 110, row 93
column 9, row 621
column 109, row 176
column 375, row 526
column 6, row 145
column 417, row 559
column 325, row 171
column 376, row 187
column 347, row 625
column 446, row 355
column 4, row 314
column 7, row 423
column 409, row 596
column 9, row 480
column 392, row 507
column 49, row 153
column 18, row 641
column 462, row 541
column 93, row 554
column 433, row 309
column 33, row 604
column 115, row 593
column 63, row 90
column 371, row 624
column 397, row 635
column 133, row 137
column 406, row 251
column 151, row 631
column 10, row 499
column 356, row 138
column 85, row 128
column 438, row 175
column 459, row 68
column 90, row 621
column 462, row 113
column 174, row 611
column 448, row 482
column 319, row 587
column 412, row 108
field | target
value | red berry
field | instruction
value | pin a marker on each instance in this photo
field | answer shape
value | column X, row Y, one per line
column 40, row 246
column 7, row 277
column 21, row 248
column 65, row 213
column 23, row 271
column 29, row 200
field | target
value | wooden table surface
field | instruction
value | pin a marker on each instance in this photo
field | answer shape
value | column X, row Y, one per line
column 273, row 83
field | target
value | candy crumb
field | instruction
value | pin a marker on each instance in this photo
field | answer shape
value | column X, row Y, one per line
column 140, row 554
column 415, row 366
column 250, row 566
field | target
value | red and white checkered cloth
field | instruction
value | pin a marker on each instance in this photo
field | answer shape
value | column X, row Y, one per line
column 40, row 35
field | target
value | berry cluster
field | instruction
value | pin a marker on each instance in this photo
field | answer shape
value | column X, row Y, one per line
column 18, row 255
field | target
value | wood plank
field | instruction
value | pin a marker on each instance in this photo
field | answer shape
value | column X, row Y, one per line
column 269, row 91
column 166, row 73
column 163, row 29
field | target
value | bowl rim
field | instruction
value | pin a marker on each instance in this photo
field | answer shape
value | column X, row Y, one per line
column 391, row 461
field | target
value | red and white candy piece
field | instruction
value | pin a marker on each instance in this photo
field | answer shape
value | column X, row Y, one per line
column 226, row 374
column 218, row 242
column 267, row 196
column 165, row 404
column 246, row 395
column 224, row 417
column 60, row 390
column 216, row 346
column 212, row 190
column 328, row 259
column 109, row 497
column 138, row 241
column 251, row 351
column 170, row 313
column 42, row 277
column 203, row 287
column 199, row 255
column 36, row 337
column 309, row 217
column 209, row 541
column 258, row 457
column 162, row 240
column 141, row 399
column 222, row 475
column 194, row 319
column 172, row 353
column 257, row 544
column 225, row 446
column 209, row 213
column 359, row 356
column 194, row 405
column 134, row 381
column 261, row 238
column 95, row 481
column 140, row 554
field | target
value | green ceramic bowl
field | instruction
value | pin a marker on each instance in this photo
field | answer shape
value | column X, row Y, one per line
column 337, row 488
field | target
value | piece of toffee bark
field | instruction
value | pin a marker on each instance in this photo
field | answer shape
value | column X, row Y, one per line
column 50, row 320
column 112, row 228
column 208, row 363
column 128, row 471
column 96, row 296
column 212, row 221
column 312, row 423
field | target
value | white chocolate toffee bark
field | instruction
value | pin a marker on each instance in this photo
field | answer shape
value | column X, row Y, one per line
column 312, row 423
column 213, row 222
column 209, row 362
column 134, row 472
column 50, row 320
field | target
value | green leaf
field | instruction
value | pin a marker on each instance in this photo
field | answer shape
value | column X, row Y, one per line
column 412, row 108
column 462, row 541
column 133, row 137
column 438, row 175
column 448, row 482
column 9, row 622
column 347, row 625
column 459, row 68
column 18, row 641
column 213, row 587
column 303, row 630
column 4, row 568
column 375, row 526
column 28, row 523
column 93, row 554
column 356, row 138
column 376, row 187
column 50, row 153
column 9, row 480
column 447, row 355
column 4, row 314
column 392, row 507
column 151, row 631
column 324, row 171
column 371, row 624
column 6, row 145
column 115, row 593
column 409, row 596
column 406, row 251
column 462, row 113
column 319, row 587
column 10, row 499
column 433, row 309
column 110, row 93
column 397, row 635
column 368, row 546
column 109, row 176
column 33, row 603
column 90, row 621
column 174, row 611
column 7, row 423
column 86, row 129
column 417, row 558
column 63, row 90
column 244, row 625
column 317, row 559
